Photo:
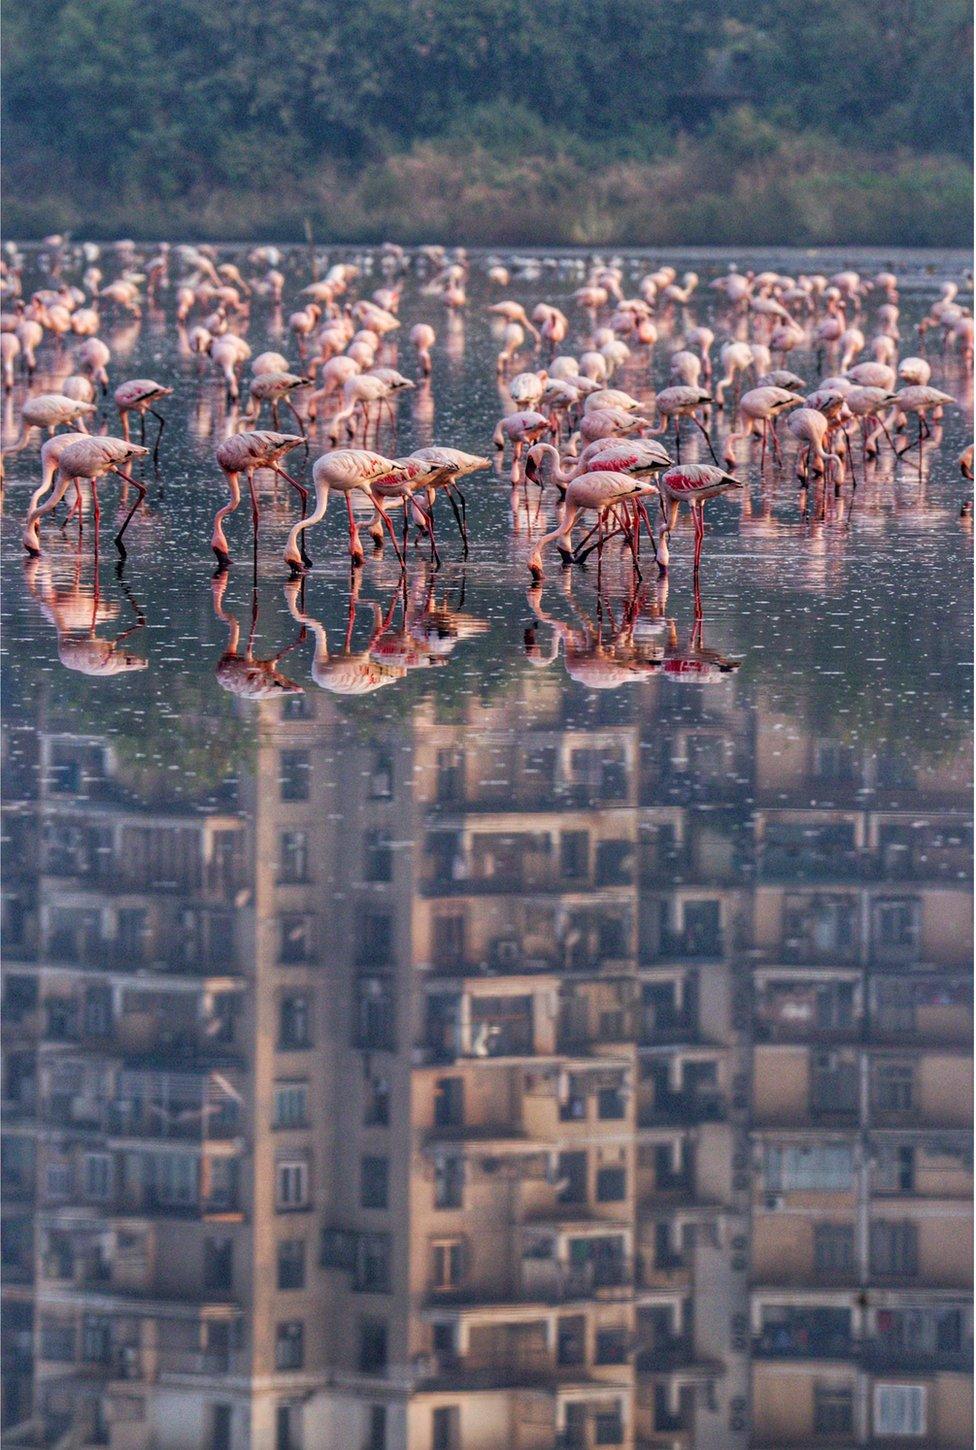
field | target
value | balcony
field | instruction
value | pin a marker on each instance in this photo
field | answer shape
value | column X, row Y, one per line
column 691, row 1107
column 545, row 1281
column 185, row 1121
column 689, row 946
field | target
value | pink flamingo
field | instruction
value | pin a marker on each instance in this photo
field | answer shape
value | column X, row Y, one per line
column 138, row 396
column 347, row 470
column 599, row 492
column 246, row 453
column 693, row 484
column 89, row 458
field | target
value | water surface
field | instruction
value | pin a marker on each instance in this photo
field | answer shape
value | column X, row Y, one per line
column 566, row 1042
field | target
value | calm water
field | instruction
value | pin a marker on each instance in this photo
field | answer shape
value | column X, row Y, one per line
column 565, row 1044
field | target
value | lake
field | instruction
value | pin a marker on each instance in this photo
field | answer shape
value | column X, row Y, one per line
column 564, row 1041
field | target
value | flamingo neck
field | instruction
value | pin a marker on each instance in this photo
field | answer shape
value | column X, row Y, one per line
column 317, row 515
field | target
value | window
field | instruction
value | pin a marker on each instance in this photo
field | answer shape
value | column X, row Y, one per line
column 833, row 1248
column 796, row 1168
column 221, row 1427
column 291, row 1264
column 893, row 1087
column 97, row 1176
column 291, row 1184
column 571, row 1341
column 449, row 1102
column 376, row 1113
column 290, row 1345
column 895, row 1169
column 372, row 1268
column 896, row 925
column 98, row 1011
column 288, row 1427
column 377, row 856
column 296, row 707
column 900, row 1410
column 446, row 1263
column 571, row 1178
column 375, row 1013
column 295, row 938
column 57, row 1179
column 291, row 1105
column 448, row 947
column 372, row 1346
column 833, row 1410
column 57, row 1341
column 295, row 775
column 894, row 1248
column 611, row 1345
column 449, row 1182
column 377, row 1428
column 377, row 938
column 293, row 856
column 218, row 1264
column 611, row 1186
column 610, row 1103
column 374, row 1182
column 574, row 854
column 176, row 1177
column 446, row 1428
column 294, row 1022
column 608, row 1426
column 381, row 776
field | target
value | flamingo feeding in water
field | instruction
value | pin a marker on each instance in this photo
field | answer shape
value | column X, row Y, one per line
column 246, row 453
column 347, row 470
column 598, row 492
column 88, row 458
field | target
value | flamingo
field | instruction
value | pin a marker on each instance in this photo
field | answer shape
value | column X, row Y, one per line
column 761, row 406
column 347, row 673
column 246, row 453
column 694, row 484
column 138, row 396
column 347, row 470
column 274, row 388
column 93, row 358
column 920, row 401
column 598, row 491
column 811, row 428
column 9, row 352
column 76, row 616
column 423, row 337
column 50, row 411
column 736, row 357
column 679, row 402
column 89, row 458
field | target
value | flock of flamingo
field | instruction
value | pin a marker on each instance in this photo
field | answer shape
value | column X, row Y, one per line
column 569, row 429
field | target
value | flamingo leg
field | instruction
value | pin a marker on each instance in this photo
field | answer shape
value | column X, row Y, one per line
column 707, row 436
column 141, row 491
column 698, row 514
column 393, row 538
column 255, row 511
column 355, row 548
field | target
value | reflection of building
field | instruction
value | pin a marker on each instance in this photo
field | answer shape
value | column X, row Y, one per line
column 536, row 1075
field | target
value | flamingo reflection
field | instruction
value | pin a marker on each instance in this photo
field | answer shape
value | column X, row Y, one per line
column 76, row 610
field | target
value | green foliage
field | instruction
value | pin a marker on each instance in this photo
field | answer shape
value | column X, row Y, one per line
column 242, row 116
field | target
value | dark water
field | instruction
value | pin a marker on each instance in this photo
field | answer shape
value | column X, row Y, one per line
column 565, row 1044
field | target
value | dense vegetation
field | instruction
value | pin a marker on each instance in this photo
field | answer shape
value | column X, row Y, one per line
column 494, row 120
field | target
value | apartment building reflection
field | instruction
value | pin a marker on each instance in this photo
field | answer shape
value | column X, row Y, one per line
column 569, row 1071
